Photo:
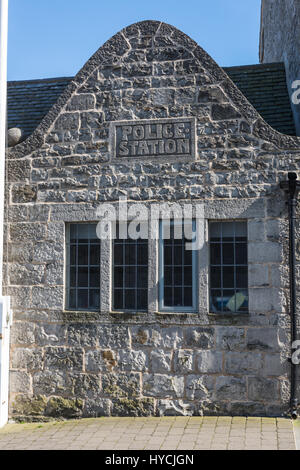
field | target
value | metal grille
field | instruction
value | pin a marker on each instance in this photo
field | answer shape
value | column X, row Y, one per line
column 228, row 267
column 83, row 267
column 178, row 270
column 130, row 274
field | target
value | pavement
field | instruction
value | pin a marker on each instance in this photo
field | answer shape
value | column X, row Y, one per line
column 166, row 433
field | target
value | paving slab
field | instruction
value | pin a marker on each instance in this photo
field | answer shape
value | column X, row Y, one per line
column 165, row 433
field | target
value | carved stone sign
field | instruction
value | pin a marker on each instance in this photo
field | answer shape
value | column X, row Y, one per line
column 154, row 138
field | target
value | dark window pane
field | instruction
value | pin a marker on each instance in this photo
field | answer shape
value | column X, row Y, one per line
column 130, row 254
column 228, row 253
column 178, row 255
column 73, row 233
column 188, row 257
column 95, row 254
column 177, row 271
column 168, row 259
column 72, row 277
column 228, row 277
column 118, row 254
column 130, row 276
column 142, row 299
column 178, row 300
column 168, row 296
column 215, row 277
column 188, row 276
column 84, row 267
column 242, row 277
column 118, row 277
column 94, row 298
column 240, row 231
column 188, row 297
column 83, row 233
column 94, row 277
column 73, row 257
column 228, row 231
column 118, row 299
column 168, row 277
column 130, row 298
column 83, row 278
column 215, row 231
column 225, row 272
column 178, row 276
column 142, row 254
column 241, row 253
column 72, row 298
column 215, row 253
column 83, row 254
column 142, row 277
column 83, row 298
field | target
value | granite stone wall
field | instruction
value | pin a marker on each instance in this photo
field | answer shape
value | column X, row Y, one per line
column 72, row 364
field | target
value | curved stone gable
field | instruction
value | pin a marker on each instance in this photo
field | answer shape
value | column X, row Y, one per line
column 143, row 58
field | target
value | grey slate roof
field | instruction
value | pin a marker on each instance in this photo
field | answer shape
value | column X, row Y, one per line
column 263, row 85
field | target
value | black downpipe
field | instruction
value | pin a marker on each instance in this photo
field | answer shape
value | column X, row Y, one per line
column 292, row 187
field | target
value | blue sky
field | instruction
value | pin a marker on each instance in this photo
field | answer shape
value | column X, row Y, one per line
column 54, row 38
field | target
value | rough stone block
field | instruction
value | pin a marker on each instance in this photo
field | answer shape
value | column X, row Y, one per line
column 230, row 387
column 22, row 333
column 24, row 405
column 184, row 361
column 100, row 361
column 132, row 360
column 199, row 337
column 48, row 297
column 27, row 231
column 164, row 386
column 262, row 389
column 242, row 363
column 199, row 387
column 146, row 336
column 19, row 382
column 113, row 337
column 60, row 358
column 50, row 382
column 121, row 385
column 275, row 364
column 85, row 385
column 50, row 334
column 267, row 252
column 258, row 275
column 92, row 409
column 263, row 339
column 175, row 408
column 161, row 361
column 209, row 362
column 28, row 274
column 84, row 335
column 133, row 407
column 230, row 338
column 63, row 407
column 26, row 358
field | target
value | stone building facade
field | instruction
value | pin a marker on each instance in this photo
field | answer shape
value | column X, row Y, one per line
column 75, row 362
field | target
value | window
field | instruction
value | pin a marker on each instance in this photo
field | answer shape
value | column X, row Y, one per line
column 83, row 267
column 228, row 267
column 130, row 274
column 178, row 274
